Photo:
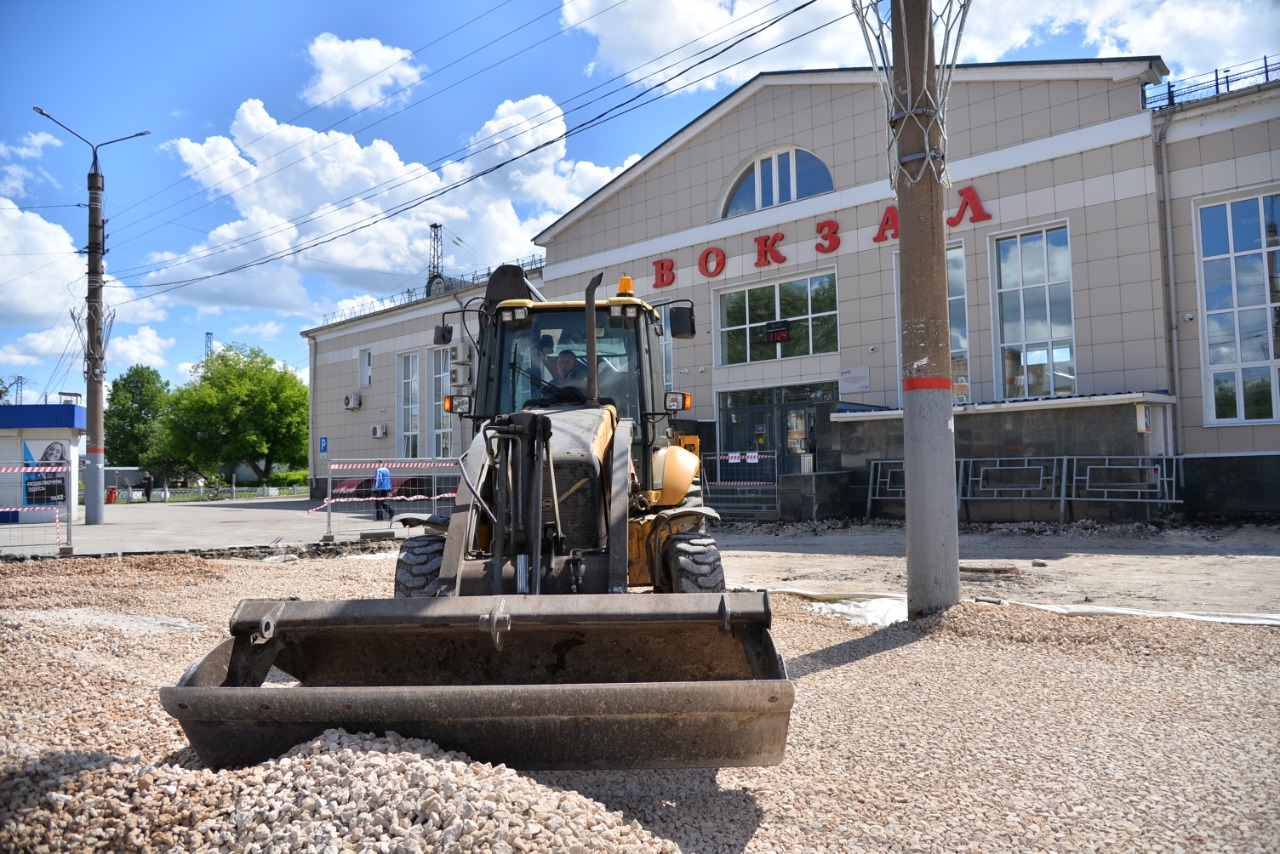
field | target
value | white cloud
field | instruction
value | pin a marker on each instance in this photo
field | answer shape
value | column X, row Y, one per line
column 359, row 73
column 45, row 280
column 32, row 146
column 33, row 348
column 15, row 178
column 631, row 35
column 294, row 187
column 1193, row 36
column 144, row 347
column 268, row 329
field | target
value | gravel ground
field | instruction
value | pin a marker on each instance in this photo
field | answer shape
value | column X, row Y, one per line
column 989, row 728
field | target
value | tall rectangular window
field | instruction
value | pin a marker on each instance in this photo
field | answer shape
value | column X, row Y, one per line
column 668, row 362
column 1034, row 314
column 441, row 427
column 778, row 321
column 957, row 318
column 407, row 426
column 364, row 368
column 1240, row 300
column 958, row 314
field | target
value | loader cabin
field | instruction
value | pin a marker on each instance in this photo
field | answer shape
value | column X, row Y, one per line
column 533, row 342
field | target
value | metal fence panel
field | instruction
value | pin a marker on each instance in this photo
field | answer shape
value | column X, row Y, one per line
column 741, row 485
column 417, row 486
column 1065, row 480
column 35, row 508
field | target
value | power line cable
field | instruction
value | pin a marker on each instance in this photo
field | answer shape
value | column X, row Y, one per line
column 289, row 122
column 495, row 139
column 403, row 208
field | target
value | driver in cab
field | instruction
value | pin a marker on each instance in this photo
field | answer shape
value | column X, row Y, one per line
column 568, row 373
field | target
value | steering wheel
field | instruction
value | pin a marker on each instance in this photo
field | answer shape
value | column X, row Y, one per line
column 570, row 394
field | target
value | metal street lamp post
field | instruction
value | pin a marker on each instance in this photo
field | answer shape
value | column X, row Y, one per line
column 95, row 356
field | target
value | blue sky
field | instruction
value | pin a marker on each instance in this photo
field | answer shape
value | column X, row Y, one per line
column 276, row 127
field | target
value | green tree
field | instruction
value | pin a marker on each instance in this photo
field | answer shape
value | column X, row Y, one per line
column 7, row 386
column 132, row 422
column 241, row 407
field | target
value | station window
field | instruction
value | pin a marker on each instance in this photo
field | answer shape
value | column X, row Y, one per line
column 958, row 321
column 781, row 176
column 777, row 321
column 1034, row 314
column 441, row 425
column 1240, row 300
column 364, row 368
column 408, row 406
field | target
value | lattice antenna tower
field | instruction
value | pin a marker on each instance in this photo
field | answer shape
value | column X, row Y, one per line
column 919, row 96
column 434, row 276
column 208, row 344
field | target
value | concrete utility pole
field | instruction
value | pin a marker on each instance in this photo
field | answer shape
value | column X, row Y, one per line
column 95, row 356
column 933, row 554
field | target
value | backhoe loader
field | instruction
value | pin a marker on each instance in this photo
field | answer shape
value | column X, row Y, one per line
column 571, row 612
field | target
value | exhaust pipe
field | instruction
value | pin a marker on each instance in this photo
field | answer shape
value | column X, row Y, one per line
column 593, row 379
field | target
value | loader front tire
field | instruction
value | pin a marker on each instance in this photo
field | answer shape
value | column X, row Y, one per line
column 693, row 563
column 418, row 568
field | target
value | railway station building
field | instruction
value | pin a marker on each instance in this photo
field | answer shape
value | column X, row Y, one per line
column 1113, row 280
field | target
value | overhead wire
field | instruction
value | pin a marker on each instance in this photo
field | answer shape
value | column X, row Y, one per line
column 642, row 98
column 723, row 46
column 289, row 122
column 409, row 176
column 371, row 192
column 306, row 112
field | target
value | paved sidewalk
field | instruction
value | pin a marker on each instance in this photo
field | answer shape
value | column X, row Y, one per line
column 159, row 527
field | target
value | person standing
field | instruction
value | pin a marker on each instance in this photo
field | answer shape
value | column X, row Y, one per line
column 381, row 489
column 146, row 485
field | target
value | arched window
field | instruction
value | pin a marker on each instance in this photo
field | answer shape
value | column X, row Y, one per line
column 776, row 178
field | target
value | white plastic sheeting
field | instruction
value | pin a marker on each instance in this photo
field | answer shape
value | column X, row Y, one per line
column 883, row 609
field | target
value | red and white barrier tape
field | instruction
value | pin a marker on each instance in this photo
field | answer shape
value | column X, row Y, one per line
column 329, row 501
column 32, row 469
column 372, row 467
column 57, row 516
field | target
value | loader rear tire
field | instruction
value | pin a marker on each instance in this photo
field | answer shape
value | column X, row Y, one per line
column 693, row 562
column 418, row 568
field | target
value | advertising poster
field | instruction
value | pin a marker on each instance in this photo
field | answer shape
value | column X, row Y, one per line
column 45, row 487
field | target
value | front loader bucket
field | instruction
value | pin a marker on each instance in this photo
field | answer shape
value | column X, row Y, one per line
column 534, row 682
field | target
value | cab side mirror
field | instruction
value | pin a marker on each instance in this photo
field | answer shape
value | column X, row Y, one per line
column 681, row 319
column 443, row 334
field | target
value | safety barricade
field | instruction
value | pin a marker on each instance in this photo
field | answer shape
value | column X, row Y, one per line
column 417, row 486
column 1069, row 482
column 741, row 485
column 35, row 508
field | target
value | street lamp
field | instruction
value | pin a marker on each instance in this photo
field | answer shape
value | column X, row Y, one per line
column 95, row 356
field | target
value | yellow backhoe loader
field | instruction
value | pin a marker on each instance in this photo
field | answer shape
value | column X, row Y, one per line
column 571, row 612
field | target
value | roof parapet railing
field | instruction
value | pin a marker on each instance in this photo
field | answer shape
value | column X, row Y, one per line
column 1161, row 96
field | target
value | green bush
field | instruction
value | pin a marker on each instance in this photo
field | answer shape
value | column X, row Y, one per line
column 289, row 478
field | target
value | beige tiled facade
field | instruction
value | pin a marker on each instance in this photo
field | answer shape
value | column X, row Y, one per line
column 1038, row 146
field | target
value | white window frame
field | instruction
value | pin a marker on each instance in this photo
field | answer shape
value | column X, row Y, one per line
column 776, row 284
column 666, row 347
column 783, row 180
column 961, row 384
column 441, row 425
column 364, row 367
column 1235, row 318
column 1060, row 374
column 408, row 426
